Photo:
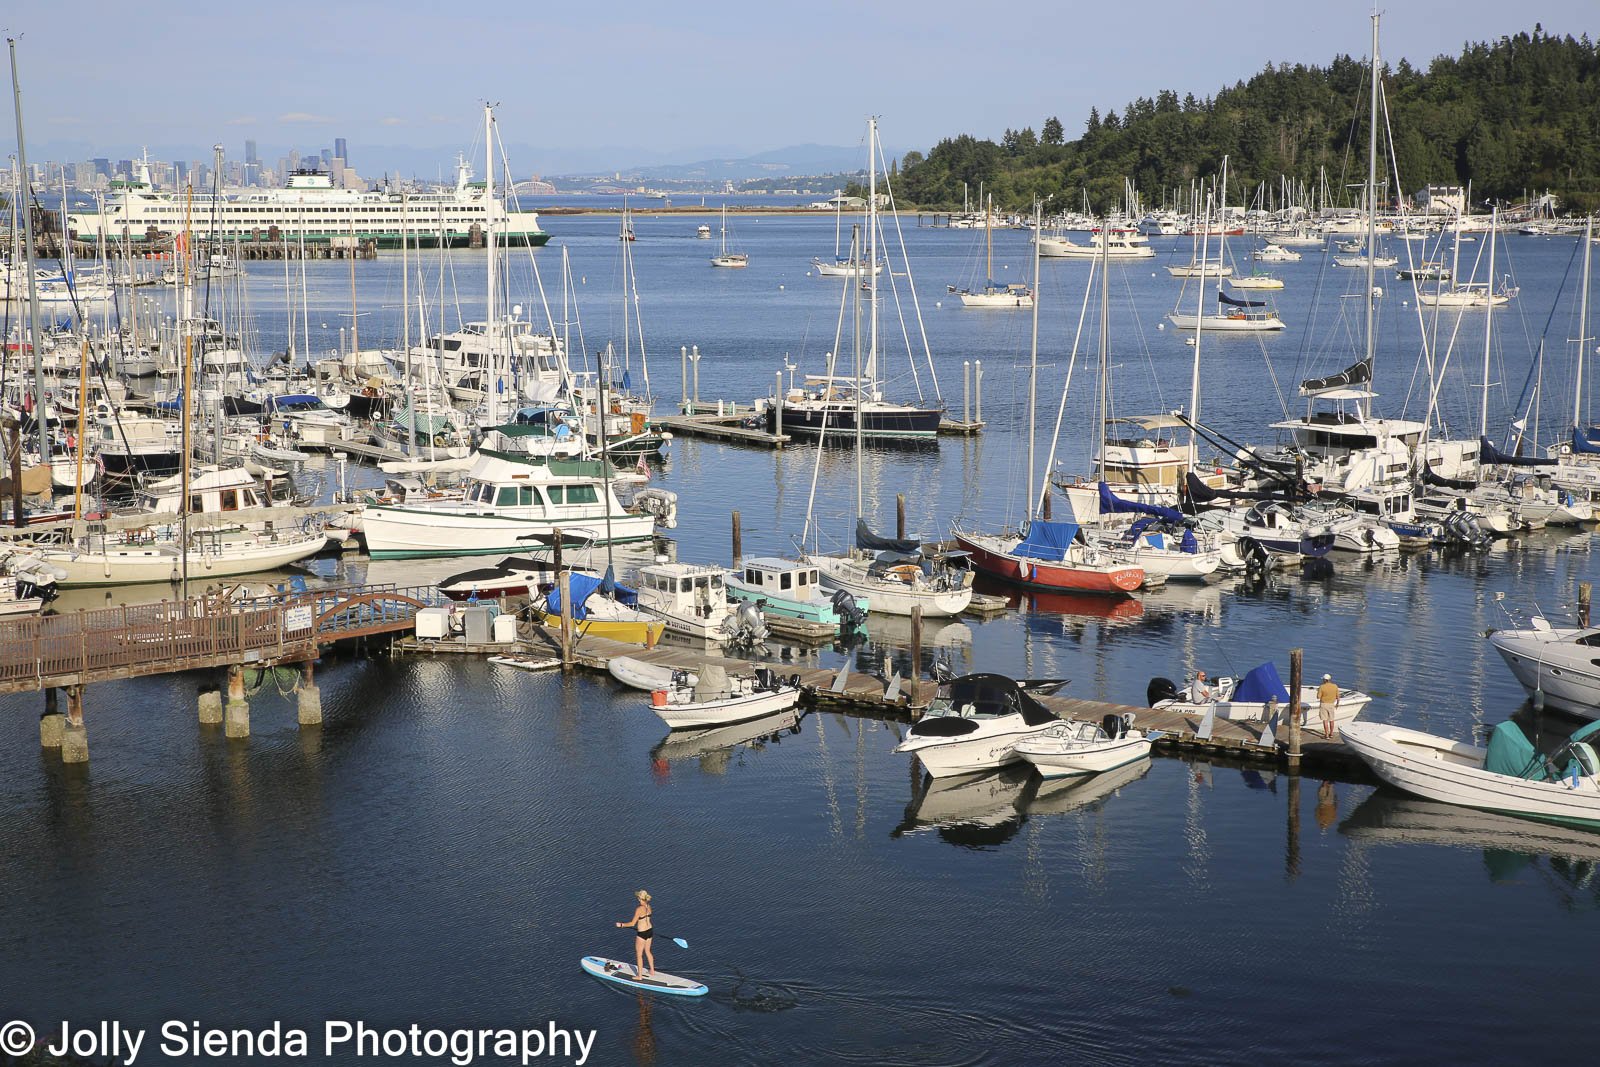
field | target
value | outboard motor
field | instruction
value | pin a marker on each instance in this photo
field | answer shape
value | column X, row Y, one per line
column 1114, row 726
column 745, row 627
column 851, row 617
column 1160, row 689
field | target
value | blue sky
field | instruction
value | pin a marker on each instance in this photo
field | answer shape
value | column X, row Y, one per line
column 624, row 81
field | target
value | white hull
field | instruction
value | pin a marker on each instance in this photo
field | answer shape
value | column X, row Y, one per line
column 994, row 745
column 1349, row 707
column 637, row 674
column 441, row 531
column 1225, row 323
column 1054, row 758
column 844, row 269
column 1194, row 270
column 726, row 712
column 1452, row 771
column 996, row 300
column 1549, row 661
column 162, row 563
column 1174, row 565
column 889, row 597
column 1050, row 246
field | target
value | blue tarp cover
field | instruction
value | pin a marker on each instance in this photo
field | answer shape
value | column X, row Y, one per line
column 1047, row 540
column 1236, row 302
column 1489, row 454
column 1586, row 440
column 1111, row 504
column 582, row 586
column 1260, row 685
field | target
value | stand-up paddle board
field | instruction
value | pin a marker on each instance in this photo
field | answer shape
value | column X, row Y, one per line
column 624, row 974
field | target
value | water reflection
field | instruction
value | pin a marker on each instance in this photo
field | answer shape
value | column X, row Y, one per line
column 1564, row 859
column 714, row 746
column 973, row 811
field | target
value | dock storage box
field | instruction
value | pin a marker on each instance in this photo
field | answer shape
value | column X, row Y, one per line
column 505, row 629
column 476, row 622
column 433, row 623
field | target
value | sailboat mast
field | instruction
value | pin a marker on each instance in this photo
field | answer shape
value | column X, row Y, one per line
column 1372, row 209
column 1105, row 348
column 492, row 383
column 1488, row 325
column 872, row 254
column 1194, row 372
column 1583, row 326
column 25, row 198
column 1035, row 497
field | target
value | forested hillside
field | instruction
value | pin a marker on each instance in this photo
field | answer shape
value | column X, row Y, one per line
column 1520, row 114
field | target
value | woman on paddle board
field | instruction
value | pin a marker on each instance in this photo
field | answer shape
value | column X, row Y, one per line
column 644, row 927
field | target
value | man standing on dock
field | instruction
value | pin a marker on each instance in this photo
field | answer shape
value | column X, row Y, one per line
column 1327, row 697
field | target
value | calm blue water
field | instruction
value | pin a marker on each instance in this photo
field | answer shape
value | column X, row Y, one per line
column 452, row 840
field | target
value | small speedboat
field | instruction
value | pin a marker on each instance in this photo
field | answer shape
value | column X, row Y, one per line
column 512, row 576
column 1069, row 749
column 974, row 725
column 714, row 699
column 1255, row 697
column 1510, row 775
column 1561, row 662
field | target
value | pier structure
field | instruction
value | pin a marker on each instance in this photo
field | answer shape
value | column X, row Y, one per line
column 71, row 651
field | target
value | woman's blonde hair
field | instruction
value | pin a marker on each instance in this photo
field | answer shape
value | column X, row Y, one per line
column 642, row 895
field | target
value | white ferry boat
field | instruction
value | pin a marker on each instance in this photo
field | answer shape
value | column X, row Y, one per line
column 311, row 207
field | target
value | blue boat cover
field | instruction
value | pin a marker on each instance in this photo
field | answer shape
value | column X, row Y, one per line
column 1586, row 440
column 1236, row 302
column 290, row 401
column 585, row 585
column 1112, row 504
column 1260, row 685
column 1047, row 540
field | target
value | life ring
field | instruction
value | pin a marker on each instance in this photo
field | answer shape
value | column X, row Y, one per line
column 438, row 440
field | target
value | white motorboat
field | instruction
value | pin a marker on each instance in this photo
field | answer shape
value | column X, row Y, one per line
column 974, row 725
column 716, row 700
column 1117, row 244
column 1196, row 269
column 1562, row 662
column 1071, row 749
column 691, row 599
column 894, row 588
column 1508, row 776
column 152, row 556
column 1254, row 697
column 1276, row 253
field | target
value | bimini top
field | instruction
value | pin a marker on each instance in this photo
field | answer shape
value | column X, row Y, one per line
column 986, row 696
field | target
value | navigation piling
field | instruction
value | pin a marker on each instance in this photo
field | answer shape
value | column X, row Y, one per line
column 565, row 578
column 310, row 698
column 977, row 390
column 236, row 713
column 966, row 390
column 74, row 735
column 1296, row 657
column 51, row 722
column 738, row 541
column 777, row 406
column 683, row 377
column 916, row 642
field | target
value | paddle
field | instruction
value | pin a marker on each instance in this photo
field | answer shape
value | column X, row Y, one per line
column 680, row 942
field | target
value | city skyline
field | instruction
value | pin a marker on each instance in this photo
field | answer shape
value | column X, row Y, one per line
column 672, row 99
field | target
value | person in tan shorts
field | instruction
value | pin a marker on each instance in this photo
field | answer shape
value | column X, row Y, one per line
column 1327, row 697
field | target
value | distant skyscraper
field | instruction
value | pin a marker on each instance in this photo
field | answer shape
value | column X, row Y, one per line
column 180, row 172
column 102, row 167
column 339, row 149
column 327, row 158
column 250, row 152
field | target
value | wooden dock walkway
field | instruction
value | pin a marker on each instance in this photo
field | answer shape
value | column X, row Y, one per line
column 729, row 428
column 135, row 641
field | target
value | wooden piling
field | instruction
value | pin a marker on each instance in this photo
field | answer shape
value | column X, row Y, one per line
column 566, row 619
column 1296, row 660
column 916, row 642
column 900, row 516
column 555, row 555
column 738, row 542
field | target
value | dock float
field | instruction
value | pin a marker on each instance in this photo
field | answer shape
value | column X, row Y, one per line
column 729, row 428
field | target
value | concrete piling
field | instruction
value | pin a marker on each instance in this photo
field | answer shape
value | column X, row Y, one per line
column 236, row 713
column 310, row 699
column 74, row 735
column 51, row 722
column 210, row 707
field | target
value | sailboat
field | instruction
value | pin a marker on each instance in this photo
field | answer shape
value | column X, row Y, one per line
column 894, row 575
column 842, row 267
column 725, row 258
column 834, row 407
column 1233, row 314
column 1015, row 295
